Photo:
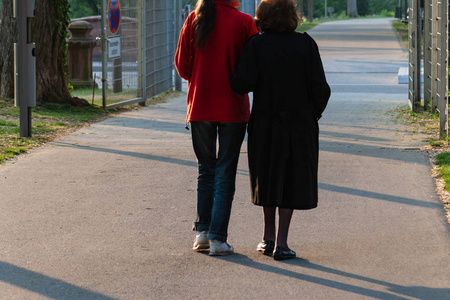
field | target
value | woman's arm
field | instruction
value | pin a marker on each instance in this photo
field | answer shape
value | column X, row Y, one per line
column 246, row 74
column 183, row 53
column 319, row 88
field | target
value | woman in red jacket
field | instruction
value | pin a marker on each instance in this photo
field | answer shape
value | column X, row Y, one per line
column 209, row 48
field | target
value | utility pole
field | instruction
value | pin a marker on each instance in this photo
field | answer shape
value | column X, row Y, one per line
column 25, row 65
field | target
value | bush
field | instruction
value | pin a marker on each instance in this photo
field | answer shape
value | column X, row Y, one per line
column 387, row 14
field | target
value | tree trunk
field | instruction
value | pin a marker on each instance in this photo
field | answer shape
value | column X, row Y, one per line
column 51, row 80
column 311, row 10
column 300, row 9
column 49, row 34
column 352, row 10
column 8, row 33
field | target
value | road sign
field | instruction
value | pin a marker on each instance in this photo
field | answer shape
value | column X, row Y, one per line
column 114, row 47
column 114, row 15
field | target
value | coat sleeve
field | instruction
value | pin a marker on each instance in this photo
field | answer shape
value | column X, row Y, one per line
column 246, row 74
column 319, row 88
column 183, row 53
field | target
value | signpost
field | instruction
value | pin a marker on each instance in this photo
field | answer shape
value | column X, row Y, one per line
column 113, row 15
column 25, row 65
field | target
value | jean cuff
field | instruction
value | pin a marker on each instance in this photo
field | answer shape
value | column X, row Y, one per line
column 200, row 227
column 214, row 235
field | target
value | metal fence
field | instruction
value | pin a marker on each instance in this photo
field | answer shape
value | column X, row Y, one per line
column 249, row 6
column 433, row 14
column 147, row 40
column 137, row 59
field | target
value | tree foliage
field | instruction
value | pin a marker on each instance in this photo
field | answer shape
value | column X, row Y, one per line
column 84, row 8
column 49, row 32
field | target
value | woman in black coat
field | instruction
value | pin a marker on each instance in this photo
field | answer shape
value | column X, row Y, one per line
column 284, row 70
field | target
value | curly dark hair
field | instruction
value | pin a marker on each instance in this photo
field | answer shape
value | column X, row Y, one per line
column 277, row 16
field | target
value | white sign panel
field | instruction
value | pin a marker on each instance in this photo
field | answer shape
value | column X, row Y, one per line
column 114, row 47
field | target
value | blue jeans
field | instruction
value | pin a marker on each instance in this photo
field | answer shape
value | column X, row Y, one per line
column 216, row 174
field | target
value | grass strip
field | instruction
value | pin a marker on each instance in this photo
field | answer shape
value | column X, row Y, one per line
column 50, row 121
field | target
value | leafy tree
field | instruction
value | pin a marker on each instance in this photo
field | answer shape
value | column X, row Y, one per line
column 311, row 10
column 363, row 7
column 84, row 8
column 378, row 6
column 49, row 32
column 352, row 9
column 7, row 36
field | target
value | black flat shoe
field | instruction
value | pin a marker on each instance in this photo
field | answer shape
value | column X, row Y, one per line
column 282, row 253
column 266, row 247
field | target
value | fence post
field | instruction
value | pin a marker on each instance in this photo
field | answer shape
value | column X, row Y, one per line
column 414, row 55
column 427, row 50
column 104, row 58
column 443, row 69
column 434, row 55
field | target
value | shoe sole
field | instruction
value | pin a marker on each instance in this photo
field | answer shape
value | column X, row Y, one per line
column 264, row 252
column 220, row 253
column 201, row 247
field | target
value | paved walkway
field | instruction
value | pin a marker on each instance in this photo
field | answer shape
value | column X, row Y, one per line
column 106, row 212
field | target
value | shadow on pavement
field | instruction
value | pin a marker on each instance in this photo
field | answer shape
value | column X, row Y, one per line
column 378, row 196
column 44, row 285
column 424, row 293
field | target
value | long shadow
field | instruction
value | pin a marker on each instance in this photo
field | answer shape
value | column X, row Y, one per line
column 352, row 136
column 44, row 285
column 378, row 196
column 417, row 292
column 131, row 154
column 378, row 151
column 165, row 159
column 334, row 125
column 411, row 291
column 147, row 124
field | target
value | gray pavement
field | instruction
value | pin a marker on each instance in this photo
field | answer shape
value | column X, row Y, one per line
column 106, row 212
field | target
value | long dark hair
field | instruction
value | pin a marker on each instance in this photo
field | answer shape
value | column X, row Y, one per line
column 204, row 21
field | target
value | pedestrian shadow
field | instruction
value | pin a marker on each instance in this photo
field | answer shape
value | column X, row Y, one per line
column 355, row 137
column 44, row 285
column 378, row 196
column 417, row 292
column 149, row 124
column 159, row 158
column 374, row 151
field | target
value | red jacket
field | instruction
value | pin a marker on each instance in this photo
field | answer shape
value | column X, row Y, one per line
column 209, row 71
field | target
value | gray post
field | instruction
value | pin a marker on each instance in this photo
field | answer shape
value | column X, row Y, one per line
column 443, row 69
column 434, row 55
column 104, row 58
column 178, row 16
column 427, row 49
column 414, row 55
column 25, row 65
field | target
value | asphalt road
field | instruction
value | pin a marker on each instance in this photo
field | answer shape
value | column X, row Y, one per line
column 107, row 212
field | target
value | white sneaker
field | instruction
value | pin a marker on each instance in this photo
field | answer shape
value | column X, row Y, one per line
column 220, row 248
column 201, row 241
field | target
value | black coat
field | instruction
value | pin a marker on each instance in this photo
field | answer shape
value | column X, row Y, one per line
column 285, row 72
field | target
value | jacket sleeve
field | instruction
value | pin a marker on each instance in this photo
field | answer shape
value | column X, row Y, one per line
column 319, row 88
column 183, row 53
column 246, row 74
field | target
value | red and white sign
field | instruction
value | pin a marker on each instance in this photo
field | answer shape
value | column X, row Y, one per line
column 114, row 15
